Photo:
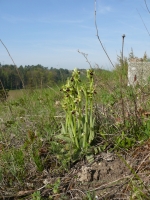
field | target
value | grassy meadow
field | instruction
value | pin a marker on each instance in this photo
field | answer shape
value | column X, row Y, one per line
column 45, row 133
column 15, row 94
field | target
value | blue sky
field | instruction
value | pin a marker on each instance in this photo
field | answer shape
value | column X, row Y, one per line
column 50, row 32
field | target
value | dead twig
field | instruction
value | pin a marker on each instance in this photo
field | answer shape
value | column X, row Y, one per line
column 97, row 34
column 85, row 56
column 143, row 23
column 142, row 162
column 3, row 89
column 13, row 63
column 18, row 195
column 77, row 190
column 147, row 6
column 5, row 95
column 110, row 184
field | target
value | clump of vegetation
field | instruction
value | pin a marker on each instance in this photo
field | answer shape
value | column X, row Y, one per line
column 77, row 103
column 47, row 135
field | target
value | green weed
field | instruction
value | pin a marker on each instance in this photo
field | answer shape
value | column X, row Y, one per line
column 36, row 195
column 78, row 129
column 13, row 164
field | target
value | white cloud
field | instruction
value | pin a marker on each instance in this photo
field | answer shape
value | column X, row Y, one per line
column 67, row 21
column 14, row 19
column 104, row 9
column 18, row 19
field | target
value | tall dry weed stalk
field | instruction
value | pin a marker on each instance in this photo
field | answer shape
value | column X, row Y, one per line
column 14, row 64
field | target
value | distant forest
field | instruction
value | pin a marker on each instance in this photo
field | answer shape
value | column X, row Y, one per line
column 32, row 76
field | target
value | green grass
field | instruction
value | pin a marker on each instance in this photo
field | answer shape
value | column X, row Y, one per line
column 14, row 94
column 31, row 120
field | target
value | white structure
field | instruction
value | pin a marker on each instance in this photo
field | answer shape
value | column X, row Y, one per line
column 138, row 72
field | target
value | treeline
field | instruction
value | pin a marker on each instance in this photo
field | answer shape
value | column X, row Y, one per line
column 34, row 76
